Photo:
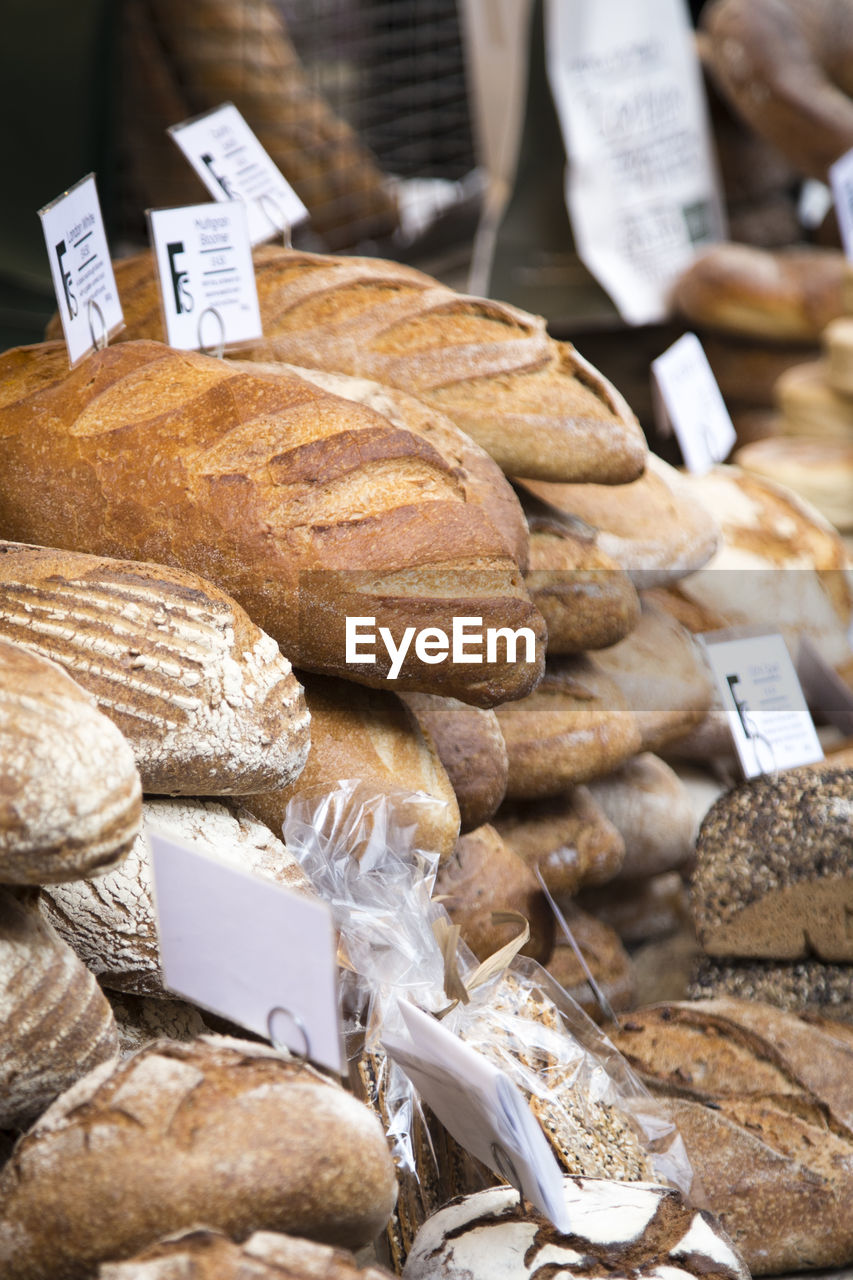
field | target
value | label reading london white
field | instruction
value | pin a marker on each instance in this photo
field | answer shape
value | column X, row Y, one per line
column 481, row 1107
column 841, row 184
column 233, row 165
column 82, row 272
column 693, row 404
column 247, row 949
column 771, row 726
column 206, row 275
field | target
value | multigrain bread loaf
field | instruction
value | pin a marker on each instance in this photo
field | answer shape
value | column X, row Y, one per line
column 111, row 922
column 70, row 796
column 220, row 1131
column 567, row 837
column 764, row 1102
column 617, row 1229
column 305, row 507
column 472, row 750
column 205, row 699
column 799, row 986
column 369, row 736
column 533, row 403
column 773, row 878
column 266, row 1255
column 56, row 1021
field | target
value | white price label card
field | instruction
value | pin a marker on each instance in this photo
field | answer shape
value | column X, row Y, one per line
column 233, row 165
column 82, row 272
column 481, row 1107
column 206, row 275
column 841, row 184
column 693, row 404
column 771, row 725
column 248, row 949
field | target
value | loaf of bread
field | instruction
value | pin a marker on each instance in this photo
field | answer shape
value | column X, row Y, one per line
column 472, row 750
column 819, row 470
column 369, row 736
column 810, row 406
column 799, row 986
column 649, row 805
column 604, row 956
column 617, row 1229
column 206, row 700
column 567, row 837
column 71, row 803
column 202, row 1254
column 306, row 508
column 533, row 403
column 218, row 1131
column 654, row 527
column 111, row 922
column 57, row 1024
column 484, row 876
column 764, row 1103
column 773, row 877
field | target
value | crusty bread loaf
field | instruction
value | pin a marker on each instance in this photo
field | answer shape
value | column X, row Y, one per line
column 111, row 922
column 818, row 469
column 308, row 509
column 56, row 1022
column 71, row 796
column 471, row 748
column 799, row 986
column 773, row 877
column 606, row 959
column 617, row 1229
column 206, row 700
column 534, row 404
column 369, row 735
column 810, row 406
column 202, row 1254
column 648, row 803
column 567, row 837
column 220, row 1131
column 484, row 876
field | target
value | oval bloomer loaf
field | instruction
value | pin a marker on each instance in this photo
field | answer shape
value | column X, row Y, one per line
column 206, row 700
column 308, row 509
column 219, row 1131
column 533, row 403
column 70, row 795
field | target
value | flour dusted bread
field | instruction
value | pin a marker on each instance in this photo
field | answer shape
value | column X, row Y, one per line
column 472, row 750
column 205, row 699
column 57, row 1024
column 304, row 507
column 70, row 796
column 627, row 1230
column 112, row 924
column 220, row 1131
column 534, row 404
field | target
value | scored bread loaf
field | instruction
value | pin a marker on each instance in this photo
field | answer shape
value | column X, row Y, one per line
column 308, row 509
column 205, row 699
column 111, row 922
column 56, row 1021
column 219, row 1131
column 70, row 797
column 533, row 403
column 472, row 750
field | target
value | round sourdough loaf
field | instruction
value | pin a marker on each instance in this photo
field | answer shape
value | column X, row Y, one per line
column 620, row 1229
column 534, row 404
column 111, row 922
column 308, row 509
column 70, row 795
column 206, row 700
column 218, row 1131
column 566, row 837
column 266, row 1255
column 56, row 1021
column 471, row 748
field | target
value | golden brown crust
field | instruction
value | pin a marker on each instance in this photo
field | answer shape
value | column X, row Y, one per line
column 606, row 959
column 471, row 748
column 567, row 837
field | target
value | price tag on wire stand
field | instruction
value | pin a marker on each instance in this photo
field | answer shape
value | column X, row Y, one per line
column 233, row 165
column 482, row 1108
column 771, row 726
column 247, row 949
column 841, row 185
column 689, row 401
column 206, row 275
column 82, row 272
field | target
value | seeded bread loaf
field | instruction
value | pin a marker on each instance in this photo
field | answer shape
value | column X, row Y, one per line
column 220, row 1131
column 471, row 748
column 533, row 403
column 206, row 701
column 70, row 795
column 306, row 508
column 56, row 1022
column 800, row 986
